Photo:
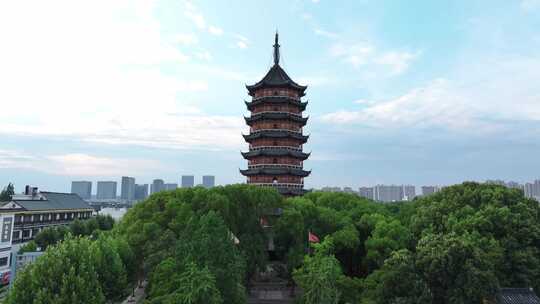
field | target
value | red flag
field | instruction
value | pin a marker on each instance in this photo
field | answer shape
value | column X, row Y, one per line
column 313, row 238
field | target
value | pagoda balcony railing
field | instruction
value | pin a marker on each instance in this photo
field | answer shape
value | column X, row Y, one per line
column 280, row 185
column 274, row 166
column 274, row 148
column 276, row 96
column 277, row 112
column 285, row 130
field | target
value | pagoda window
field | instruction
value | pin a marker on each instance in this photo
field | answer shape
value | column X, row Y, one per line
column 274, row 180
column 275, row 126
column 276, row 93
column 276, row 109
column 275, row 160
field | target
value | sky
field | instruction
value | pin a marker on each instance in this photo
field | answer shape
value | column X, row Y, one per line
column 406, row 92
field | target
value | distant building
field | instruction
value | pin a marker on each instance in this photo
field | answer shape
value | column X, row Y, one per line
column 157, row 186
column 188, row 181
column 428, row 190
column 128, row 188
column 33, row 211
column 496, row 182
column 366, row 192
column 171, row 186
column 514, row 185
column 141, row 192
column 331, row 189
column 106, row 190
column 409, row 192
column 348, row 190
column 208, row 181
column 82, row 189
column 388, row 193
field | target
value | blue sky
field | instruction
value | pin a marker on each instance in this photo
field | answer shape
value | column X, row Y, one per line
column 419, row 92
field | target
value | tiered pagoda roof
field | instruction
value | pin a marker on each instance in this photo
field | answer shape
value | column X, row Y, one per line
column 276, row 116
column 276, row 77
column 276, row 100
column 276, row 134
column 276, row 171
column 276, row 152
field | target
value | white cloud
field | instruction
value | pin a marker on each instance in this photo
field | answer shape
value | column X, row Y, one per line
column 77, row 164
column 215, row 30
column 325, row 33
column 363, row 54
column 197, row 19
column 488, row 96
column 241, row 44
column 101, row 81
column 530, row 5
column 204, row 55
column 186, row 39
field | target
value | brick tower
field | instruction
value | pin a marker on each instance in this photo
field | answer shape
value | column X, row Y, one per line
column 275, row 156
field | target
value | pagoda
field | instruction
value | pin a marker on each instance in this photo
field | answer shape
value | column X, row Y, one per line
column 275, row 157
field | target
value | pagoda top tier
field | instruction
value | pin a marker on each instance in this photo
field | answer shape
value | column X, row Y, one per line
column 276, row 76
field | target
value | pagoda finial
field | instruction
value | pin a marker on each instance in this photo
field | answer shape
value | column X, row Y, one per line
column 276, row 50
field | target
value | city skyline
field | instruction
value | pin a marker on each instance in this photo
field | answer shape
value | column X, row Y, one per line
column 390, row 100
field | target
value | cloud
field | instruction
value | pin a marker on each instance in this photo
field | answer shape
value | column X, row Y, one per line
column 186, row 39
column 198, row 19
column 241, row 44
column 366, row 54
column 204, row 55
column 324, row 33
column 241, row 41
column 103, row 81
column 78, row 164
column 215, row 30
column 530, row 5
column 482, row 99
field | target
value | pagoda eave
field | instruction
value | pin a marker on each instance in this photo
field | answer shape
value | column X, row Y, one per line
column 275, row 171
column 276, row 152
column 276, row 134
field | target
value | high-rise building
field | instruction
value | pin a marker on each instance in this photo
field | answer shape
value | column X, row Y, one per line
column 141, row 191
column 366, row 192
column 157, row 186
column 427, row 190
column 82, row 189
column 514, row 185
column 106, row 190
column 409, row 192
column 188, row 181
column 208, row 181
column 331, row 189
column 171, row 186
column 128, row 188
column 388, row 193
column 275, row 156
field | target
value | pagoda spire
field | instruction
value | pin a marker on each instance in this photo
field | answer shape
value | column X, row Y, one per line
column 276, row 50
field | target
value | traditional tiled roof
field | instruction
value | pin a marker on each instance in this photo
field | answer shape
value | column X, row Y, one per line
column 275, row 171
column 516, row 296
column 276, row 152
column 54, row 201
column 276, row 100
column 276, row 134
column 276, row 77
column 276, row 116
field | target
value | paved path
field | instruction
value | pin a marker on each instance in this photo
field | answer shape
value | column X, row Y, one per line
column 139, row 295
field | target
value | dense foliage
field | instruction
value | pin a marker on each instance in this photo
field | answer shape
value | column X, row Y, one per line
column 457, row 246
column 52, row 235
column 7, row 192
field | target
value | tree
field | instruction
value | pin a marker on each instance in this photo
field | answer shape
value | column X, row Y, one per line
column 108, row 265
column 319, row 275
column 7, row 193
column 64, row 274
